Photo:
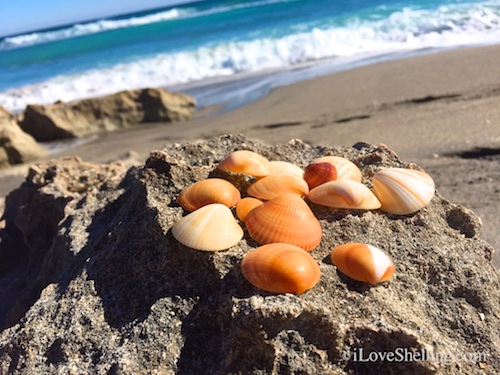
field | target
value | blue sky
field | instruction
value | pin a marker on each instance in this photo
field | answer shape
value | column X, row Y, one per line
column 18, row 16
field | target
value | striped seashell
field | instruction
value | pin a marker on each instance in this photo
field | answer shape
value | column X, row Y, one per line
column 286, row 219
column 209, row 228
column 344, row 194
column 281, row 268
column 272, row 186
column 246, row 162
column 403, row 191
column 363, row 262
column 319, row 173
column 346, row 169
column 213, row 190
column 284, row 167
column 246, row 205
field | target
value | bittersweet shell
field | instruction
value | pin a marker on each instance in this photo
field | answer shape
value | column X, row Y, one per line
column 281, row 268
column 213, row 190
column 318, row 173
column 284, row 167
column 246, row 162
column 246, row 205
column 363, row 262
column 210, row 228
column 346, row 169
column 344, row 194
column 272, row 186
column 403, row 191
column 285, row 219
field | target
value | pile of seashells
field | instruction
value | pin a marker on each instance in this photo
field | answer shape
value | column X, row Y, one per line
column 286, row 226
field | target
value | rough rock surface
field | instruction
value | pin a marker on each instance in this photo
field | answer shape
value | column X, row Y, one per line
column 108, row 113
column 15, row 145
column 92, row 280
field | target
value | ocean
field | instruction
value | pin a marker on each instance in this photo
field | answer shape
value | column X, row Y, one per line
column 228, row 51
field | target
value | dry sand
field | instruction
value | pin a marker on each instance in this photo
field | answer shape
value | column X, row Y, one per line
column 441, row 111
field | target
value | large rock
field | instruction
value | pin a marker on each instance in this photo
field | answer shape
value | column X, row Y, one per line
column 15, row 145
column 108, row 113
column 94, row 282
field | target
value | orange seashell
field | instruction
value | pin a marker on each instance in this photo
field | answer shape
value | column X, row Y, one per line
column 213, row 190
column 246, row 205
column 246, row 162
column 363, row 262
column 272, row 186
column 319, row 173
column 346, row 169
column 344, row 194
column 286, row 219
column 281, row 268
column 284, row 167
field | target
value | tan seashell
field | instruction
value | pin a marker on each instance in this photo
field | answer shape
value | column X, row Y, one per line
column 403, row 191
column 319, row 173
column 246, row 162
column 209, row 228
column 284, row 167
column 363, row 262
column 213, row 190
column 346, row 169
column 286, row 219
column 281, row 268
column 344, row 194
column 246, row 205
column 272, row 186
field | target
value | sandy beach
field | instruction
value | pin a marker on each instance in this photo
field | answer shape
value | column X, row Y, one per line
column 441, row 111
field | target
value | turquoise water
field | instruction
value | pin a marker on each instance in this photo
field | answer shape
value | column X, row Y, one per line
column 200, row 41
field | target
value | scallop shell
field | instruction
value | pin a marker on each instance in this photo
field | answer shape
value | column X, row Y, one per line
column 363, row 262
column 210, row 228
column 281, row 268
column 403, row 191
column 246, row 162
column 246, row 205
column 286, row 219
column 344, row 194
column 213, row 190
column 284, row 167
column 346, row 169
column 319, row 173
column 272, row 186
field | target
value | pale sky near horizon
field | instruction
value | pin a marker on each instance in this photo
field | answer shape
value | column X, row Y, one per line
column 28, row 15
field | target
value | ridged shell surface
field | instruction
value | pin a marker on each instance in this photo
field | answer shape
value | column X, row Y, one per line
column 213, row 190
column 272, row 186
column 285, row 219
column 246, row 162
column 403, row 191
column 281, row 268
column 363, row 262
column 210, row 228
column 284, row 167
column 246, row 205
column 319, row 173
column 346, row 169
column 344, row 194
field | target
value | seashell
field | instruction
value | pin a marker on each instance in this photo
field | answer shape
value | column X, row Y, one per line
column 363, row 262
column 246, row 162
column 346, row 169
column 344, row 194
column 213, row 190
column 246, row 205
column 209, row 228
column 286, row 219
column 319, row 173
column 403, row 191
column 284, row 167
column 281, row 268
column 272, row 186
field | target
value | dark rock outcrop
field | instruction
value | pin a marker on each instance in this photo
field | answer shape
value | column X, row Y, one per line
column 108, row 113
column 92, row 281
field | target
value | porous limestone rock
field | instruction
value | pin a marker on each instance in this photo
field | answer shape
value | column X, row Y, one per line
column 92, row 280
column 108, row 113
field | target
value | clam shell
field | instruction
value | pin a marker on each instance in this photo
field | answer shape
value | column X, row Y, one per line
column 209, row 228
column 246, row 162
column 403, row 191
column 281, row 268
column 213, row 190
column 284, row 167
column 246, row 205
column 344, row 194
column 319, row 173
column 272, row 186
column 285, row 219
column 363, row 262
column 346, row 169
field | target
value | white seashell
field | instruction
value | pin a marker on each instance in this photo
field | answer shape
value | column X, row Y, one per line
column 344, row 194
column 284, row 167
column 403, row 191
column 346, row 169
